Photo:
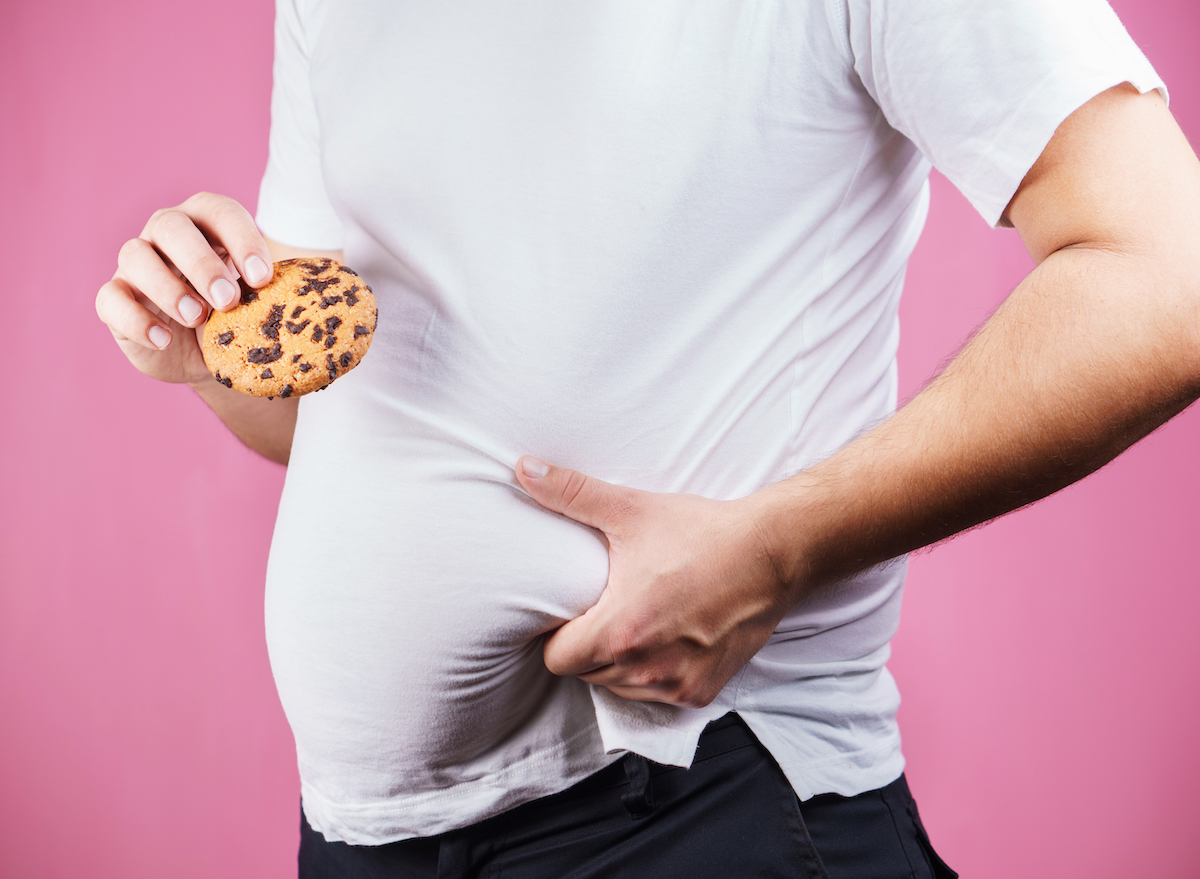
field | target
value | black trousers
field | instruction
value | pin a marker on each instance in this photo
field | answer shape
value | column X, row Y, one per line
column 732, row 815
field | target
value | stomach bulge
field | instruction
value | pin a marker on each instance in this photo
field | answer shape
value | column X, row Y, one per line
column 414, row 626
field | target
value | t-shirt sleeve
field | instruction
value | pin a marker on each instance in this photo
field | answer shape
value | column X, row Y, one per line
column 981, row 87
column 293, row 203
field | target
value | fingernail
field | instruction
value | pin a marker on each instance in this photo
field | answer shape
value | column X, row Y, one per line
column 534, row 469
column 256, row 270
column 190, row 310
column 222, row 292
column 160, row 337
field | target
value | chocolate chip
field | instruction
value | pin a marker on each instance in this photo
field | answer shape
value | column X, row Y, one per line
column 297, row 312
column 331, row 366
column 295, row 357
column 317, row 333
column 270, row 327
column 304, row 367
column 331, row 324
column 249, row 294
column 266, row 373
column 285, row 391
column 296, row 328
column 265, row 355
column 345, row 359
column 225, row 338
column 316, row 266
column 360, row 330
column 327, row 301
column 318, row 285
column 222, row 380
column 347, row 270
column 351, row 299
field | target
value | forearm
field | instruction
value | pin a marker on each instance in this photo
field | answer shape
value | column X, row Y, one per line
column 265, row 425
column 1094, row 350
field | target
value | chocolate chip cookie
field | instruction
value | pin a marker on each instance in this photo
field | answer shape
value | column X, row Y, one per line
column 310, row 325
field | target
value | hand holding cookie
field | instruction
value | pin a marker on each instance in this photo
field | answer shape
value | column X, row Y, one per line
column 310, row 325
column 187, row 261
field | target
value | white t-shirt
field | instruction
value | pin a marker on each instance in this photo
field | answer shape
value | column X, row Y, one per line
column 658, row 242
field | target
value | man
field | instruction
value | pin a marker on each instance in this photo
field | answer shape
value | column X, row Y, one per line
column 664, row 249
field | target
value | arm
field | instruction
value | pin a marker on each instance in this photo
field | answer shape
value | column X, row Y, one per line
column 265, row 425
column 1096, row 348
column 188, row 260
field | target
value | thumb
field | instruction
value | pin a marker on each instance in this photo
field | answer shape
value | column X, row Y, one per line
column 583, row 498
column 577, row 647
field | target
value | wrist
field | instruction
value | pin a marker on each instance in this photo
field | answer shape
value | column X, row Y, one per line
column 215, row 394
column 789, row 525
column 206, row 385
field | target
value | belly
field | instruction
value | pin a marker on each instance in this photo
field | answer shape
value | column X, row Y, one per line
column 405, row 611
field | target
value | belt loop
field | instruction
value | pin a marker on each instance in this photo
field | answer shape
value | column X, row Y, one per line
column 639, row 801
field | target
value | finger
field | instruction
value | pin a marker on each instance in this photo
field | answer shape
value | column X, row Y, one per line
column 142, row 268
column 636, row 694
column 638, row 687
column 578, row 647
column 641, row 685
column 224, row 221
column 658, row 694
column 130, row 320
column 583, row 498
column 176, row 237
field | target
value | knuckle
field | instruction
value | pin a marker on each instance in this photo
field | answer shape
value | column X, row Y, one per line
column 624, row 641
column 130, row 250
column 103, row 298
column 551, row 662
column 691, row 689
column 681, row 694
column 217, row 210
column 160, row 216
column 223, row 210
column 201, row 200
column 573, row 489
column 651, row 676
column 118, row 311
column 552, row 656
column 170, row 222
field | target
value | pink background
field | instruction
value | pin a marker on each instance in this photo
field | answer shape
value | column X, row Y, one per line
column 1047, row 661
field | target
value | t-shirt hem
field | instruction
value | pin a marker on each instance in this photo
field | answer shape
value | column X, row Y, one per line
column 848, row 774
column 438, row 811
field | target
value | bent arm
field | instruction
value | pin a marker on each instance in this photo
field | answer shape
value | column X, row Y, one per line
column 265, row 425
column 1097, row 347
column 187, row 262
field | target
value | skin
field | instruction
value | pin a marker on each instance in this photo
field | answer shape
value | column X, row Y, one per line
column 181, row 260
column 1098, row 346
